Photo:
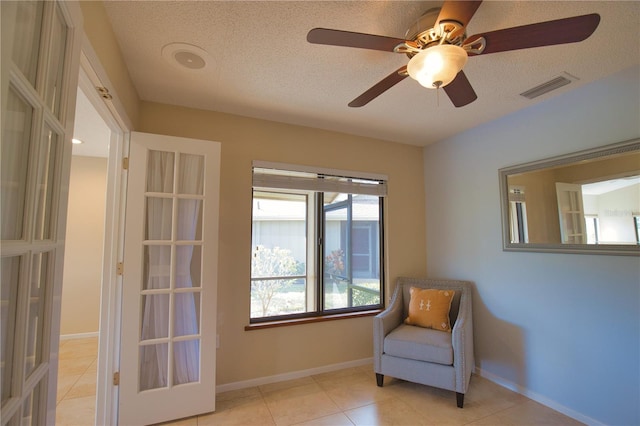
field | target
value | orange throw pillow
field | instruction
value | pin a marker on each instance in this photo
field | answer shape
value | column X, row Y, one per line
column 429, row 308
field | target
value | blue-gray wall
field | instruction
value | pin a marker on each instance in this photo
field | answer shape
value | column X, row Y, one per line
column 563, row 329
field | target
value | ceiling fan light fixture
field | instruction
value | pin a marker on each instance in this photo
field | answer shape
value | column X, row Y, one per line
column 437, row 66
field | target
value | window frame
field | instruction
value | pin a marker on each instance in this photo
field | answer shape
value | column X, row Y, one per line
column 316, row 238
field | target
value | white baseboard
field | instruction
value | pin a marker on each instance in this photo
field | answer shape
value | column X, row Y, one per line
column 292, row 375
column 537, row 397
column 78, row 335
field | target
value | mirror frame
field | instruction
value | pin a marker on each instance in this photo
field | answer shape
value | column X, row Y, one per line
column 609, row 249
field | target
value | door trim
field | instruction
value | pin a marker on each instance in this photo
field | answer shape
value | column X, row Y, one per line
column 111, row 289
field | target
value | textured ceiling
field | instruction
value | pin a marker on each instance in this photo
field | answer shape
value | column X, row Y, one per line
column 260, row 64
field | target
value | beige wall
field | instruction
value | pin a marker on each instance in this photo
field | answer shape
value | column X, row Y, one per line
column 97, row 28
column 245, row 355
column 83, row 251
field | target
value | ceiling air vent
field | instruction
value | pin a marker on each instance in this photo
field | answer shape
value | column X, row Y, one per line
column 553, row 84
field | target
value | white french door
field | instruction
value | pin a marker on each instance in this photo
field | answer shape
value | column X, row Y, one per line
column 168, row 356
column 571, row 213
column 40, row 51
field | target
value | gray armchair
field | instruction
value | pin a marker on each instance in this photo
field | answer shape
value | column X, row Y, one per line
column 421, row 355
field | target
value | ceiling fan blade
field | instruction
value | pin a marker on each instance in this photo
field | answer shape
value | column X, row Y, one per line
column 460, row 91
column 460, row 11
column 351, row 39
column 559, row 31
column 381, row 87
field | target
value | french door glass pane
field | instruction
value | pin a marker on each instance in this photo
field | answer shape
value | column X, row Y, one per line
column 160, row 171
column 159, row 218
column 191, row 180
column 189, row 215
column 15, row 154
column 44, row 194
column 157, row 267
column 55, row 68
column 154, row 365
column 27, row 20
column 155, row 322
column 35, row 320
column 187, row 314
column 30, row 406
column 8, row 301
column 186, row 361
column 188, row 266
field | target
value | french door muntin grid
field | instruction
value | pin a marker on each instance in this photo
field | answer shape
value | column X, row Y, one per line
column 172, row 339
column 26, row 368
column 36, row 80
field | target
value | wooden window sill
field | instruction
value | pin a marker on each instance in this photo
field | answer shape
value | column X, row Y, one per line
column 298, row 321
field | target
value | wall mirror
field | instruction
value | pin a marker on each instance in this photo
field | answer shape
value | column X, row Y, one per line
column 585, row 202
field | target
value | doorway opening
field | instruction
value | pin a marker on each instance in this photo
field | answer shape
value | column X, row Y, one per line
column 82, row 278
column 90, row 322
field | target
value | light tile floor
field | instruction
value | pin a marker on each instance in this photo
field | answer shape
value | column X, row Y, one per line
column 77, row 371
column 346, row 397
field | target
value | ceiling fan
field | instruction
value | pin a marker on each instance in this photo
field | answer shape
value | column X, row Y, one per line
column 438, row 47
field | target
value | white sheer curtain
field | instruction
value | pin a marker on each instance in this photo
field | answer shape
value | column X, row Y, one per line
column 156, row 316
column 186, row 353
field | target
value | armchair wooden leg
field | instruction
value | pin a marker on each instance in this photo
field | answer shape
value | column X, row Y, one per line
column 460, row 399
column 379, row 379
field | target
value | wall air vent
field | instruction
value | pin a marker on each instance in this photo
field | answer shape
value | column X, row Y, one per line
column 553, row 84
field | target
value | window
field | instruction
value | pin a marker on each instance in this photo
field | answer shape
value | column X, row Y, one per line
column 316, row 242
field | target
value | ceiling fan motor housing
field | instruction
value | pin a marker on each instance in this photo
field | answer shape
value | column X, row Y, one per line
column 425, row 33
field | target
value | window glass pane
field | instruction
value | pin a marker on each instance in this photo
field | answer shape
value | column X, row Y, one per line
column 279, row 254
column 351, row 251
column 55, row 68
column 44, row 187
column 8, row 300
column 278, row 297
column 154, row 365
column 186, row 361
column 40, row 279
column 26, row 18
column 15, row 154
column 191, row 179
column 160, row 171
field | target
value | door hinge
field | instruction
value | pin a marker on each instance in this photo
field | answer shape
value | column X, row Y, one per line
column 116, row 378
column 120, row 268
column 125, row 163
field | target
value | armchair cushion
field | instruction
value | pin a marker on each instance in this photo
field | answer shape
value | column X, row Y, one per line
column 430, row 308
column 420, row 344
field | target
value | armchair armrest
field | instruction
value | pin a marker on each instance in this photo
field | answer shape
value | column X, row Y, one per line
column 462, row 341
column 383, row 323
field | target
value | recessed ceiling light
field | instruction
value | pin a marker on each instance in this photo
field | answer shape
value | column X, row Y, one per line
column 186, row 56
column 76, row 141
